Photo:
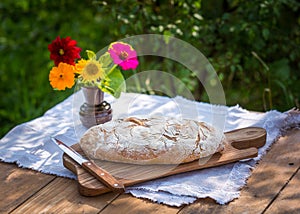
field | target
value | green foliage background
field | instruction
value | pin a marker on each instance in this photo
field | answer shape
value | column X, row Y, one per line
column 253, row 46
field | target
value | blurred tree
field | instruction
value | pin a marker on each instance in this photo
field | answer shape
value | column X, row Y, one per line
column 250, row 43
column 253, row 46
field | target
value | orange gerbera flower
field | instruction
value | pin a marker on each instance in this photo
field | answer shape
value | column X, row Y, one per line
column 62, row 77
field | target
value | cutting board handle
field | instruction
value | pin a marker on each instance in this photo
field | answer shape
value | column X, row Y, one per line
column 247, row 137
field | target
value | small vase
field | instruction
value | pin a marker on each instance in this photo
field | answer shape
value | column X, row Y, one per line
column 95, row 110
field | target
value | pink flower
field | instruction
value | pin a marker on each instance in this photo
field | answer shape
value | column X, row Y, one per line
column 123, row 55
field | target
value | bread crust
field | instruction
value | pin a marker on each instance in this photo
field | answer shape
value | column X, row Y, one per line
column 154, row 140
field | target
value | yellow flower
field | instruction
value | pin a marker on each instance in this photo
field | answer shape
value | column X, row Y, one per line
column 62, row 76
column 80, row 65
column 89, row 70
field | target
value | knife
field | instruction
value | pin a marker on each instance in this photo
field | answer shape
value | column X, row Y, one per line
column 91, row 167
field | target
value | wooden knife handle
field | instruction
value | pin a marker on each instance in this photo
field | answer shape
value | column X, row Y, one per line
column 103, row 176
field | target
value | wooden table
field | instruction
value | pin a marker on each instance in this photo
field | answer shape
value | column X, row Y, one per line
column 274, row 187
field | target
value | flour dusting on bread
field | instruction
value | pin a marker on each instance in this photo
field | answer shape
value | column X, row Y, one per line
column 153, row 140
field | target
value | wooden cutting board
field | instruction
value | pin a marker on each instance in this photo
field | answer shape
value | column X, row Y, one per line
column 243, row 144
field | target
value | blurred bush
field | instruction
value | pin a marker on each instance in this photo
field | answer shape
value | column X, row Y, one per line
column 253, row 46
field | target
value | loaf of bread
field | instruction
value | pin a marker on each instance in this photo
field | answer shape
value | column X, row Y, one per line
column 153, row 140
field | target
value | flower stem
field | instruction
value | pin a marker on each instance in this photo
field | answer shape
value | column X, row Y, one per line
column 267, row 90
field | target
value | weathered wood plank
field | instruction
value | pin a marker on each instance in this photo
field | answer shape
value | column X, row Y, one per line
column 267, row 179
column 288, row 200
column 17, row 185
column 126, row 203
column 62, row 196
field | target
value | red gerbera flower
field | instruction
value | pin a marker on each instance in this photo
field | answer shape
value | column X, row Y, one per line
column 64, row 50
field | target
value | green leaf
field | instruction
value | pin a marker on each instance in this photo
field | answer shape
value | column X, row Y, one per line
column 167, row 36
column 113, row 83
column 91, row 54
column 288, row 96
column 280, row 69
column 106, row 61
column 266, row 33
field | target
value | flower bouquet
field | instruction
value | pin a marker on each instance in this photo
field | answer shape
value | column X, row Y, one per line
column 95, row 75
column 102, row 72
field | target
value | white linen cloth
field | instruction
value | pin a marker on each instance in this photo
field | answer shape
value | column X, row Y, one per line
column 29, row 145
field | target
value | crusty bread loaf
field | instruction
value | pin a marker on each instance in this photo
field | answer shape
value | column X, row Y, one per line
column 154, row 140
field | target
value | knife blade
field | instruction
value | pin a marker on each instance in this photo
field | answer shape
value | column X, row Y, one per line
column 89, row 165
